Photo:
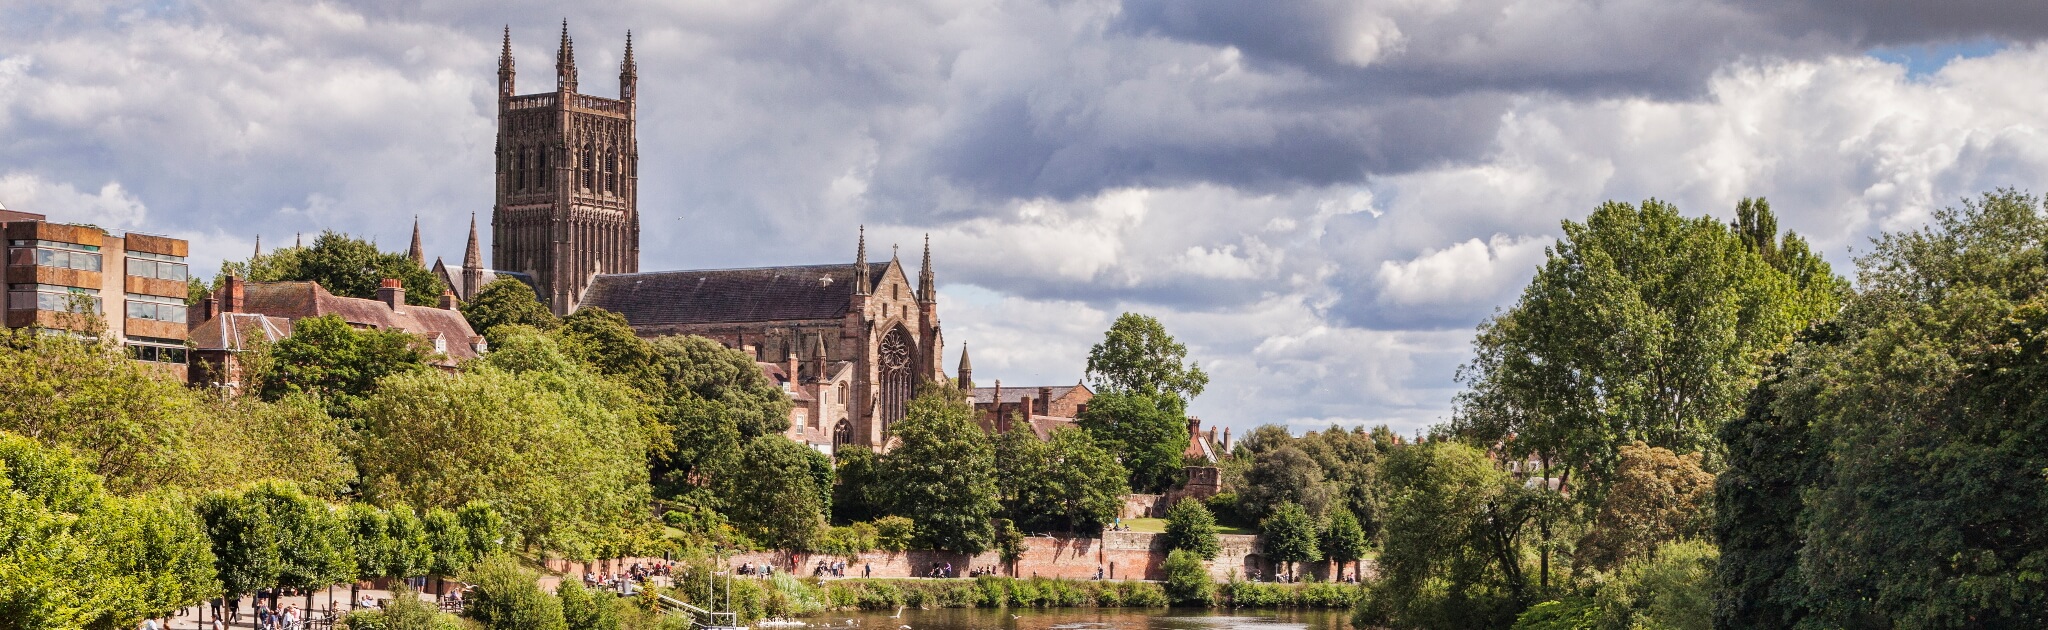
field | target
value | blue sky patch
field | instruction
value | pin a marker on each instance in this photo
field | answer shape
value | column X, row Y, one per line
column 1922, row 60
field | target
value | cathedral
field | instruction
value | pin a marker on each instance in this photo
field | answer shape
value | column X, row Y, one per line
column 850, row 343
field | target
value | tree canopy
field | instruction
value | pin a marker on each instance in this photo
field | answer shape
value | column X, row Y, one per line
column 944, row 472
column 1146, row 437
column 1137, row 356
column 507, row 301
column 344, row 265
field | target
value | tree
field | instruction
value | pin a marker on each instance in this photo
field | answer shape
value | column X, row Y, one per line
column 308, row 537
column 1187, row 581
column 1067, row 483
column 1670, row 587
column 1343, row 541
column 1350, row 463
column 943, row 472
column 584, row 610
column 1658, row 497
column 406, row 611
column 712, row 401
column 368, row 531
column 1290, row 536
column 1009, row 543
column 1909, row 423
column 607, row 343
column 1452, row 557
column 486, row 528
column 560, row 454
column 72, row 556
column 859, row 479
column 1642, row 325
column 773, row 498
column 345, row 266
column 412, row 554
column 1137, row 356
column 505, row 597
column 1281, row 476
column 449, row 541
column 1146, row 437
column 507, row 301
column 1189, row 526
column 327, row 358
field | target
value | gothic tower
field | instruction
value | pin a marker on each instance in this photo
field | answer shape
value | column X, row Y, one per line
column 568, row 180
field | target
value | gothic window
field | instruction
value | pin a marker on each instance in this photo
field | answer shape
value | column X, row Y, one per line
column 589, row 168
column 542, row 176
column 611, row 173
column 519, row 171
column 895, row 365
column 842, row 435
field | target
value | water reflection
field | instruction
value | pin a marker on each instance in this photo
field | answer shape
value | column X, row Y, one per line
column 1083, row 619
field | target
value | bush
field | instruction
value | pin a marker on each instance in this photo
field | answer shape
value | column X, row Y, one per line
column 1572, row 613
column 1144, row 595
column 1671, row 589
column 506, row 598
column 895, row 533
column 1190, row 526
column 1187, row 581
column 584, row 610
column 406, row 611
column 1225, row 508
column 848, row 541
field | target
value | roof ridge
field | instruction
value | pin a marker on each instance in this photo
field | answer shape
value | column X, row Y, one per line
column 680, row 271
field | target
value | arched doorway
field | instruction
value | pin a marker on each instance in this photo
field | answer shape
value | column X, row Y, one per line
column 896, row 363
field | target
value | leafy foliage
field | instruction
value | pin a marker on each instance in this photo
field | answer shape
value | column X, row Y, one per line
column 1146, row 436
column 1189, row 526
column 775, row 500
column 1642, row 325
column 1281, row 476
column 507, row 598
column 944, row 472
column 345, row 266
column 1671, row 587
column 1290, row 535
column 859, row 477
column 327, row 358
column 1452, row 556
column 1067, row 483
column 1137, row 356
column 585, row 610
column 1187, row 581
column 507, row 302
column 1343, row 540
column 1658, row 497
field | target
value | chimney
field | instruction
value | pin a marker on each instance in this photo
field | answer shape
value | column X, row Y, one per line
column 1226, row 439
column 208, row 308
column 1044, row 401
column 447, row 300
column 391, row 293
column 1194, row 426
column 233, row 301
column 793, row 380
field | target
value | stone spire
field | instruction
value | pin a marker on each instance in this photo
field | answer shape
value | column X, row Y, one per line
column 565, row 62
column 505, row 65
column 966, row 371
column 259, row 247
column 417, row 254
column 473, row 255
column 298, row 239
column 860, row 264
column 926, row 291
column 629, row 72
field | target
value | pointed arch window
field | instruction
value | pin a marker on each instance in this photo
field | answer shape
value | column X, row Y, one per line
column 896, row 367
column 842, row 434
column 519, row 171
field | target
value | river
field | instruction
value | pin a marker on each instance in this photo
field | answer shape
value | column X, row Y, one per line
column 1081, row 619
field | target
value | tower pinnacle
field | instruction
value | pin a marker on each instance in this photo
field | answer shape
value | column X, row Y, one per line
column 505, row 65
column 629, row 72
column 926, row 279
column 417, row 253
column 565, row 62
column 860, row 264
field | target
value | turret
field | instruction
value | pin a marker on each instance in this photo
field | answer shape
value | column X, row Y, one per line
column 629, row 73
column 505, row 66
column 565, row 62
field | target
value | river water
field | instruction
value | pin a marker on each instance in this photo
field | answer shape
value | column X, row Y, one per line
column 1082, row 619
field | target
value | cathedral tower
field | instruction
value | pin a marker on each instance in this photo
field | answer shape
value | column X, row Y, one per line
column 568, row 180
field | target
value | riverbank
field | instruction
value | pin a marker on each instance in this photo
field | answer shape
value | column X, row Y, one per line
column 786, row 596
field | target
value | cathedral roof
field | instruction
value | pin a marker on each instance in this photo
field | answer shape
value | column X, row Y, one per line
column 714, row 296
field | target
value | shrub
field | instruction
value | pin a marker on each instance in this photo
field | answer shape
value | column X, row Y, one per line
column 1571, row 613
column 584, row 610
column 1190, row 526
column 1144, row 595
column 895, row 533
column 848, row 541
column 406, row 611
column 506, row 598
column 1671, row 589
column 1187, row 581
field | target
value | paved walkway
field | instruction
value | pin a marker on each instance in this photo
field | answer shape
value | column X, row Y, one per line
column 190, row 620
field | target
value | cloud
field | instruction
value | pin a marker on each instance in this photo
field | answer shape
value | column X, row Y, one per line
column 109, row 207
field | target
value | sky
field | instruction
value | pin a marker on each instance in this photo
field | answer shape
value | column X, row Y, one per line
column 1321, row 198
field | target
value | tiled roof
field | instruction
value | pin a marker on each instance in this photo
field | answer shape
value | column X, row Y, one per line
column 296, row 300
column 1014, row 395
column 234, row 331
column 715, row 296
column 1044, row 425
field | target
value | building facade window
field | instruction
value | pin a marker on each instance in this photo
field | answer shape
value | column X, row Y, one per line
column 45, row 297
column 896, row 367
column 54, row 254
column 156, row 350
column 158, row 266
column 156, row 308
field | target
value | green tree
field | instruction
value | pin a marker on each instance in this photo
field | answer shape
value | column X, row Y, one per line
column 327, row 358
column 1452, row 557
column 507, row 301
column 412, row 554
column 345, row 266
column 1642, row 325
column 943, row 472
column 406, row 611
column 1671, row 587
column 1343, row 540
column 859, row 479
column 713, row 401
column 772, row 497
column 1145, row 435
column 1190, row 526
column 1009, row 544
column 1290, row 536
column 1281, row 476
column 1067, row 483
column 604, row 340
column 505, row 597
column 561, row 454
column 308, row 537
column 584, row 610
column 1187, row 581
column 486, row 528
column 1350, row 463
column 368, row 531
column 448, row 540
column 1909, row 424
column 1137, row 356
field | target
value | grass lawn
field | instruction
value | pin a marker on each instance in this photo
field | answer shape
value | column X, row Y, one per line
column 1158, row 526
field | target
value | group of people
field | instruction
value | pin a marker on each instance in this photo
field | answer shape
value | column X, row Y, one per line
column 940, row 570
column 636, row 573
column 830, row 568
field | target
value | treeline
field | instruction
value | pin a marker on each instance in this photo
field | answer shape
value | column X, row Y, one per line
column 1686, row 423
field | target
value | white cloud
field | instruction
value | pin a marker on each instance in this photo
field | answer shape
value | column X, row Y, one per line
column 110, row 207
column 1473, row 272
